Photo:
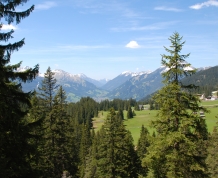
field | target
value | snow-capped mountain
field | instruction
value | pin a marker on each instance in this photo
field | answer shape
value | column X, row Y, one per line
column 122, row 78
column 127, row 85
column 139, row 85
column 98, row 83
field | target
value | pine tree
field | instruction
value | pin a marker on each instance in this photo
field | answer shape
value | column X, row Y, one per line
column 143, row 144
column 116, row 155
column 74, row 135
column 85, row 145
column 14, row 131
column 120, row 115
column 212, row 159
column 35, row 118
column 48, row 88
column 179, row 149
column 47, row 93
column 91, row 158
column 136, row 107
column 129, row 113
column 60, row 129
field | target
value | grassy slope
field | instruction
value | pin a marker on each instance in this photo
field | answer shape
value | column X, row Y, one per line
column 145, row 116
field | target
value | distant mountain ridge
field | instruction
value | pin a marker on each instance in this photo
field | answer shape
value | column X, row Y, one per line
column 205, row 77
column 124, row 86
column 98, row 83
column 121, row 79
column 139, row 86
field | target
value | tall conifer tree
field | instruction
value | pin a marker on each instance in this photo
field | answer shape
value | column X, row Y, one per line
column 59, row 129
column 35, row 119
column 212, row 159
column 143, row 144
column 116, row 155
column 14, row 147
column 178, row 150
column 129, row 113
column 47, row 94
column 85, row 145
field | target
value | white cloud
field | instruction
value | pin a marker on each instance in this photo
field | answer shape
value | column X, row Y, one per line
column 163, row 8
column 8, row 27
column 46, row 5
column 207, row 4
column 132, row 44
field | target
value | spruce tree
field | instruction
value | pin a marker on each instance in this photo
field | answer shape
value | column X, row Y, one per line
column 129, row 113
column 85, row 145
column 212, row 159
column 179, row 149
column 15, row 150
column 47, row 94
column 48, row 88
column 120, row 115
column 91, row 158
column 136, row 107
column 116, row 155
column 60, row 129
column 35, row 118
column 142, row 145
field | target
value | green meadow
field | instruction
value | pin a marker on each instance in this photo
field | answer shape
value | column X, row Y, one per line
column 146, row 116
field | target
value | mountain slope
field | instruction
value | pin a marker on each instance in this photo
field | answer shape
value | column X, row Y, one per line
column 206, row 80
column 139, row 86
column 120, row 79
column 97, row 83
column 207, row 77
column 74, row 85
column 126, row 85
column 117, row 81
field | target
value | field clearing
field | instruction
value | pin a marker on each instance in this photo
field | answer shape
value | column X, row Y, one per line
column 146, row 116
column 209, row 103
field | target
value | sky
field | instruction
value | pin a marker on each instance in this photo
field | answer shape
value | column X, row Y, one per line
column 103, row 38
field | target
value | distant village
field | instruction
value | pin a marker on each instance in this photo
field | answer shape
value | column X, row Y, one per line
column 214, row 96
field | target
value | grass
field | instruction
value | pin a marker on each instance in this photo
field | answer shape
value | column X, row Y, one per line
column 146, row 116
column 210, row 103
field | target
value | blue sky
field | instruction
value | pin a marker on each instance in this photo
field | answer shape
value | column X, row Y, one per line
column 103, row 38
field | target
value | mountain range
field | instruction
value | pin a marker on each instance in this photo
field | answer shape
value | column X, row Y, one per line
column 124, row 86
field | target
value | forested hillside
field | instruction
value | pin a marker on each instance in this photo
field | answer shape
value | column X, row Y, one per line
column 206, row 80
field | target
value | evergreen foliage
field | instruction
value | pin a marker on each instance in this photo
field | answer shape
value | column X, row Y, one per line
column 41, row 135
column 212, row 159
column 15, row 149
column 58, row 143
column 179, row 149
column 143, row 144
column 91, row 164
column 136, row 107
column 116, row 156
column 85, row 144
column 48, row 88
column 105, row 105
column 84, row 110
column 120, row 115
column 129, row 113
column 60, row 128
column 35, row 118
column 206, row 80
